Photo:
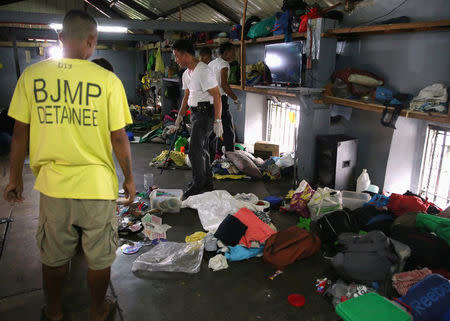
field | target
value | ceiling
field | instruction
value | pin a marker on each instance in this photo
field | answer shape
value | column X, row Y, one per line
column 208, row 11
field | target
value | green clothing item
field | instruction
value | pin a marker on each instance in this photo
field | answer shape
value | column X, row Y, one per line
column 436, row 224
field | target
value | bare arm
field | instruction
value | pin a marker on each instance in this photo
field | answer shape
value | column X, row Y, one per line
column 224, row 83
column 19, row 145
column 184, row 104
column 217, row 102
column 121, row 147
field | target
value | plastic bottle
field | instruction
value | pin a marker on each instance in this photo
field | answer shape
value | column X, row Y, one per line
column 363, row 181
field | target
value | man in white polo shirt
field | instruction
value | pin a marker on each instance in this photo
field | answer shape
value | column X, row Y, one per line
column 202, row 95
column 220, row 68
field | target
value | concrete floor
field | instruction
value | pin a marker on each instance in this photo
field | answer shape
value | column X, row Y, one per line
column 242, row 292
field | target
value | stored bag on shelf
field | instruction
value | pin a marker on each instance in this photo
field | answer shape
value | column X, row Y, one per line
column 262, row 28
column 325, row 200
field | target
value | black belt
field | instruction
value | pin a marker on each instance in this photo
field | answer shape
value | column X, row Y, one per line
column 202, row 106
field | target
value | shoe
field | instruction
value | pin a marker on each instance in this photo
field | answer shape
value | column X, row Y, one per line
column 209, row 187
column 191, row 191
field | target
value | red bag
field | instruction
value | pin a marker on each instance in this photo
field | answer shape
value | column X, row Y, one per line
column 402, row 204
column 287, row 246
column 311, row 14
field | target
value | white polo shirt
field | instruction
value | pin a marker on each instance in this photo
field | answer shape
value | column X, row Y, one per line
column 199, row 81
column 216, row 66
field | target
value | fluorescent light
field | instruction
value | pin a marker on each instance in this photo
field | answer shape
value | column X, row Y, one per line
column 114, row 29
column 42, row 40
column 56, row 26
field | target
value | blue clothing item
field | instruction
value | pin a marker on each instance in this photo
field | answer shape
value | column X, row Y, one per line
column 239, row 252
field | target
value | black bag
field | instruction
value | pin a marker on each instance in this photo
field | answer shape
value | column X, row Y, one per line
column 365, row 258
column 427, row 250
column 369, row 218
column 331, row 225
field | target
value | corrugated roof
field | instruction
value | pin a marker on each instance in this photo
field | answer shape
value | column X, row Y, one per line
column 200, row 13
column 130, row 12
column 161, row 6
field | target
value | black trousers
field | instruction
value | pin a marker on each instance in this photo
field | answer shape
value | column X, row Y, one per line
column 228, row 131
column 202, row 121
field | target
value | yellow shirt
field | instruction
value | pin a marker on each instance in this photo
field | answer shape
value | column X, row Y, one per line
column 72, row 106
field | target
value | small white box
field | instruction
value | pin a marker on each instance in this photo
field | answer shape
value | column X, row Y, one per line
column 166, row 200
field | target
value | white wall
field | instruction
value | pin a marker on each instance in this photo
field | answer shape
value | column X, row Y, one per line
column 255, row 118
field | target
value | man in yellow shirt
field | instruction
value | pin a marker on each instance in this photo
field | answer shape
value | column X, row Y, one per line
column 73, row 113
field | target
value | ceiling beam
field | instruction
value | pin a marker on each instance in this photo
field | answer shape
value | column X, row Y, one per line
column 141, row 9
column 46, row 18
column 25, row 34
column 5, row 2
column 223, row 10
column 183, row 6
column 102, row 8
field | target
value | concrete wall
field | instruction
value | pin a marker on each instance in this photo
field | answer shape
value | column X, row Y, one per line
column 408, row 62
column 127, row 65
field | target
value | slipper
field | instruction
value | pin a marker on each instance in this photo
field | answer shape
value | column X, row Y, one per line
column 44, row 316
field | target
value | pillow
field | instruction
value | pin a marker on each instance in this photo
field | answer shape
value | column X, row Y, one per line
column 244, row 164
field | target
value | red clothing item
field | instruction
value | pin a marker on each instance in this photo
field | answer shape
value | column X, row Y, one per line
column 402, row 204
column 257, row 230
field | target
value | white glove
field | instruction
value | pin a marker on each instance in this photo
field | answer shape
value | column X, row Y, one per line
column 218, row 129
column 178, row 121
column 238, row 105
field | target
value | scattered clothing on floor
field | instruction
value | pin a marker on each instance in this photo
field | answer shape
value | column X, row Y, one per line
column 239, row 252
column 231, row 230
column 197, row 236
column 218, row 262
column 257, row 230
column 405, row 280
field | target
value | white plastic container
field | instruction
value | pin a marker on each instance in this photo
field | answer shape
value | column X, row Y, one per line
column 166, row 200
column 363, row 181
column 354, row 200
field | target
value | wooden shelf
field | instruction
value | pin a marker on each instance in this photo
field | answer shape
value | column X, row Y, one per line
column 390, row 28
column 268, row 91
column 215, row 45
column 235, row 87
column 373, row 106
column 172, row 79
column 279, row 38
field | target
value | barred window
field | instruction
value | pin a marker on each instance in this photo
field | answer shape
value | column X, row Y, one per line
column 435, row 173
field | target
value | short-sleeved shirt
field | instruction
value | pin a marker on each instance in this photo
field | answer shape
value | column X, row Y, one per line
column 199, row 81
column 216, row 66
column 72, row 107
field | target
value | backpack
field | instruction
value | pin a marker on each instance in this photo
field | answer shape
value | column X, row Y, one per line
column 332, row 225
column 427, row 250
column 365, row 258
column 369, row 218
column 287, row 246
column 282, row 21
column 262, row 28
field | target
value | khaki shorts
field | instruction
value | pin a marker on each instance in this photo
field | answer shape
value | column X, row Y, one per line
column 63, row 222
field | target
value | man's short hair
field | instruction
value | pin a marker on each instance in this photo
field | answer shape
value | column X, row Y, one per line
column 78, row 24
column 224, row 47
column 205, row 51
column 102, row 62
column 184, row 46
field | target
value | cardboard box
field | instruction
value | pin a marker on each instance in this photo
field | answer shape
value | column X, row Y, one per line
column 266, row 149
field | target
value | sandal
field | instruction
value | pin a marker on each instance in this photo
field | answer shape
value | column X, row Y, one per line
column 44, row 316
